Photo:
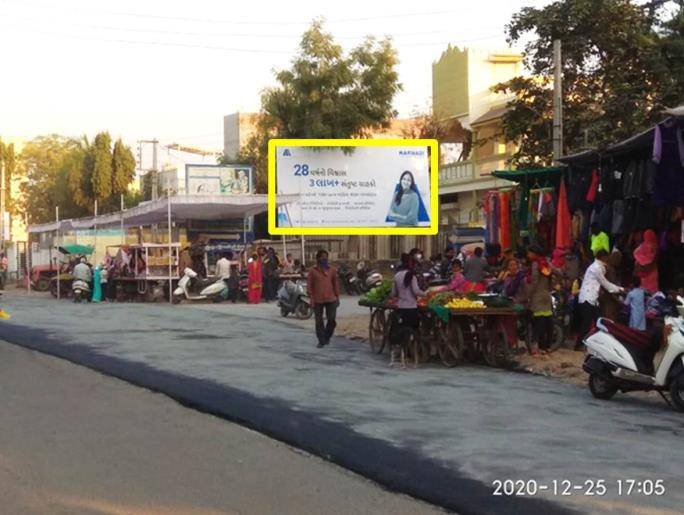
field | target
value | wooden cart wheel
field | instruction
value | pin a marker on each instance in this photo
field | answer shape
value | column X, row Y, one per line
column 377, row 330
column 495, row 347
column 450, row 344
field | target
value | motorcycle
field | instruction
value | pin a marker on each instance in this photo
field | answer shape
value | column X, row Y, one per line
column 191, row 288
column 368, row 278
column 80, row 290
column 293, row 298
column 349, row 281
column 625, row 359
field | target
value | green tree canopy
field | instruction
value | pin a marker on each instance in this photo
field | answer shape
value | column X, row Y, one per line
column 622, row 64
column 8, row 158
column 326, row 93
column 72, row 174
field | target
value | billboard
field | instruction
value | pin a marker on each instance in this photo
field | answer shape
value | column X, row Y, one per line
column 218, row 179
column 353, row 186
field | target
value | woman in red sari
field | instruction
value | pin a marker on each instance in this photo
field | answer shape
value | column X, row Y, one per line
column 254, row 279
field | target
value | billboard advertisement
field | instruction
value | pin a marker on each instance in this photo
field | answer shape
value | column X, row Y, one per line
column 218, row 179
column 353, row 186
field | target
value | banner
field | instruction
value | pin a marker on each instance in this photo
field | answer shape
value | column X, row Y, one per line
column 375, row 187
column 218, row 179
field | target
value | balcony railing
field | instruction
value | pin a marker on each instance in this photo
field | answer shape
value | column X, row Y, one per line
column 456, row 173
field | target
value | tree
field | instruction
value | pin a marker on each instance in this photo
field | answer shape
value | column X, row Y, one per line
column 446, row 131
column 621, row 66
column 8, row 158
column 123, row 168
column 102, row 170
column 72, row 174
column 326, row 94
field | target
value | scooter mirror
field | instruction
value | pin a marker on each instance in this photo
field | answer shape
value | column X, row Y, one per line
column 360, row 265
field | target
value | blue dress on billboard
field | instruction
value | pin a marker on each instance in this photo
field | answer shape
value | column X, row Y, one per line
column 410, row 210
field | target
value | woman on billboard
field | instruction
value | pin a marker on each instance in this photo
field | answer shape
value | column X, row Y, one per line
column 407, row 206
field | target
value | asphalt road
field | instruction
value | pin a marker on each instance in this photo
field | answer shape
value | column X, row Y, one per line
column 443, row 435
column 75, row 441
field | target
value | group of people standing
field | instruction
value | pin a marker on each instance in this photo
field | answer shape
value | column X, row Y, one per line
column 264, row 269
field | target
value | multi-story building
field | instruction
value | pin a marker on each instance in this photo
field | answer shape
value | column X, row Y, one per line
column 237, row 129
column 461, row 91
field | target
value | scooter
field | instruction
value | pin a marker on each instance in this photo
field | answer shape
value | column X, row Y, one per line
column 80, row 290
column 349, row 280
column 214, row 291
column 625, row 359
column 368, row 278
column 293, row 298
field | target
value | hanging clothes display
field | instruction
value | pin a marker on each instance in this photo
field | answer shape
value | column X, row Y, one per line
column 504, row 219
column 668, row 154
column 491, row 209
column 563, row 236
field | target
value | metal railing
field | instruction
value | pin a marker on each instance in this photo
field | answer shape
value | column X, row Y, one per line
column 453, row 173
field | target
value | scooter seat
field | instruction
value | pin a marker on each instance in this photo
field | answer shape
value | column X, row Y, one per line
column 641, row 345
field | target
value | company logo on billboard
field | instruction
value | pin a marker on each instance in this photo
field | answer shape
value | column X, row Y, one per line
column 286, row 152
column 412, row 152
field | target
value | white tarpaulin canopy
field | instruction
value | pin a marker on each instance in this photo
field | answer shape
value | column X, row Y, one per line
column 183, row 207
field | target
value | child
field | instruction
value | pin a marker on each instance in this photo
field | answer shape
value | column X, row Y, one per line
column 636, row 300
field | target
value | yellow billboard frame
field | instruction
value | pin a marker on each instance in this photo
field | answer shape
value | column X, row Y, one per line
column 323, row 231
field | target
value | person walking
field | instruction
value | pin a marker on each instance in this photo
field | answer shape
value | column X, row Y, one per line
column 324, row 291
column 594, row 280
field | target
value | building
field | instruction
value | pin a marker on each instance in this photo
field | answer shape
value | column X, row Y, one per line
column 461, row 90
column 237, row 129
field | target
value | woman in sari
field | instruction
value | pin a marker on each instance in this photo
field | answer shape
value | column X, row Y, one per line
column 646, row 264
column 254, row 279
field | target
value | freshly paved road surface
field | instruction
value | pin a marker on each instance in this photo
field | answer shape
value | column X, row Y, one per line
column 75, row 441
column 439, row 434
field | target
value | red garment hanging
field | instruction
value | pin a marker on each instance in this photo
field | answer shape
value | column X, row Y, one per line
column 504, row 220
column 593, row 187
column 563, row 236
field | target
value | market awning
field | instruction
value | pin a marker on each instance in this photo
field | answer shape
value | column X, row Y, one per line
column 551, row 173
column 76, row 249
column 183, row 207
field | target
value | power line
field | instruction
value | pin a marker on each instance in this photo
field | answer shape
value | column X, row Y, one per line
column 230, row 34
column 233, row 21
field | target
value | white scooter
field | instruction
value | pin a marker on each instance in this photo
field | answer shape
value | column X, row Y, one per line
column 216, row 291
column 620, row 358
column 80, row 290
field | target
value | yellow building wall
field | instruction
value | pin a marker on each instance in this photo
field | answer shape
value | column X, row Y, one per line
column 450, row 84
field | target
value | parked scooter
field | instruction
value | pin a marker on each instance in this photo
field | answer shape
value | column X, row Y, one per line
column 191, row 288
column 349, row 281
column 625, row 359
column 293, row 298
column 80, row 290
column 368, row 277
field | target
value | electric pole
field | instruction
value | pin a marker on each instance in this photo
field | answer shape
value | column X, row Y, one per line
column 557, row 101
column 154, row 170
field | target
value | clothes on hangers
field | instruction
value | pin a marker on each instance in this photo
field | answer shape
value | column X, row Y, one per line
column 668, row 154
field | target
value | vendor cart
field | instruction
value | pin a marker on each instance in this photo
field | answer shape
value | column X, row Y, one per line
column 142, row 272
column 454, row 335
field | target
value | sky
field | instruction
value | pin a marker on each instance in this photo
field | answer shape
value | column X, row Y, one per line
column 172, row 69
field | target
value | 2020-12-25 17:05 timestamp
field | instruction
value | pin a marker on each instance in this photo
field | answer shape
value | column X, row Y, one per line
column 588, row 487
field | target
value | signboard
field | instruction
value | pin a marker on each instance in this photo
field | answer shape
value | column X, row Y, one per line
column 218, row 179
column 353, row 186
